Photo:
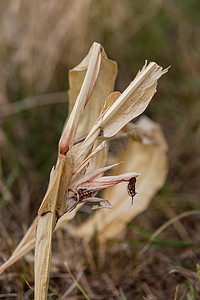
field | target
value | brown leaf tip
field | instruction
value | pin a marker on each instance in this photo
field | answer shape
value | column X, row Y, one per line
column 131, row 188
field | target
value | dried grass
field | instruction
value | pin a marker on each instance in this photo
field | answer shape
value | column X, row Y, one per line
column 129, row 33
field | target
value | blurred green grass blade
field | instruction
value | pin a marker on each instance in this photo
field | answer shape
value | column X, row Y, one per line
column 76, row 282
column 171, row 243
column 183, row 296
column 143, row 231
column 192, row 292
column 198, row 271
column 81, row 289
column 161, row 241
column 122, row 294
column 166, row 224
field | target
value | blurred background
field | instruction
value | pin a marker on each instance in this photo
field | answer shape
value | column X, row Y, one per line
column 40, row 41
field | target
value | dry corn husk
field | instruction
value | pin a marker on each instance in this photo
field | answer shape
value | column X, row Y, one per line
column 96, row 79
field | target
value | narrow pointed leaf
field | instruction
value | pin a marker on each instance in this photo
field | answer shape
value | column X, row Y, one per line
column 91, row 175
column 69, row 132
column 107, row 181
column 88, row 159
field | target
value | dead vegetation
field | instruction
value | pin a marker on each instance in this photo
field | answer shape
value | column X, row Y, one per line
column 38, row 48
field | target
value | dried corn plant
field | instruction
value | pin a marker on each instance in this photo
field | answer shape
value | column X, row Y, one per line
column 96, row 115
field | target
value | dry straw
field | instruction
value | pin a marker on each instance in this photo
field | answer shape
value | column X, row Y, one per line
column 96, row 115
